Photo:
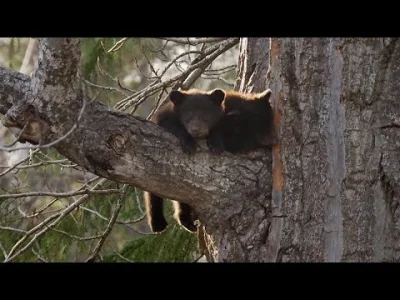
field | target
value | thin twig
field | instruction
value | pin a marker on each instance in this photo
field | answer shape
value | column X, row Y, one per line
column 79, row 238
column 18, row 163
column 96, row 250
column 107, row 88
column 159, row 49
column 116, row 80
column 13, row 229
column 58, row 217
column 3, row 250
column 44, row 163
column 60, row 195
column 117, row 45
column 123, row 104
column 197, row 259
column 39, row 257
column 156, row 106
column 196, row 63
column 220, row 71
column 120, row 255
column 194, row 42
column 138, row 202
column 218, row 78
column 106, row 219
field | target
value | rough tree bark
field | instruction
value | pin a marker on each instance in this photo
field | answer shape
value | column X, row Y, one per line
column 327, row 192
column 339, row 101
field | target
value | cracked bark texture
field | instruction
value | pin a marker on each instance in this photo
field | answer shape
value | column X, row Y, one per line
column 329, row 191
column 339, row 147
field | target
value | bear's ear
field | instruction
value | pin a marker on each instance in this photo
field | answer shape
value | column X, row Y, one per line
column 176, row 97
column 264, row 96
column 217, row 95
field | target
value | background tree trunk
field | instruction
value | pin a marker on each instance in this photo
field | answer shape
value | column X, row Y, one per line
column 339, row 147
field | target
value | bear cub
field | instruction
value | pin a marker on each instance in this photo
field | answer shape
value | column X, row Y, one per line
column 189, row 115
column 248, row 122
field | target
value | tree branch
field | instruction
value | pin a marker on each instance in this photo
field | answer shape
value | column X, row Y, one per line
column 110, row 225
column 128, row 149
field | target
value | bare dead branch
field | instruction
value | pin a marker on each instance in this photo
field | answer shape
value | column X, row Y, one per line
column 79, row 238
column 107, row 88
column 3, row 250
column 198, row 258
column 220, row 71
column 12, row 229
column 141, row 72
column 40, row 210
column 120, row 255
column 18, row 163
column 138, row 200
column 38, row 256
column 218, row 78
column 42, row 164
column 60, row 195
column 114, row 216
column 142, row 95
column 118, row 45
column 153, row 70
column 47, row 163
column 194, row 41
column 157, row 104
column 189, row 81
column 199, row 63
column 174, row 61
column 157, row 51
column 115, row 80
column 106, row 219
column 58, row 217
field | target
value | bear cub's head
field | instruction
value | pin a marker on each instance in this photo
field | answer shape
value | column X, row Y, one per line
column 198, row 111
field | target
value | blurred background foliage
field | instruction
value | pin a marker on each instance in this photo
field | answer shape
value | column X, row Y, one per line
column 110, row 76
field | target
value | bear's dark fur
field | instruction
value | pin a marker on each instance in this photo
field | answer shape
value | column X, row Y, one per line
column 247, row 125
column 248, row 122
column 189, row 115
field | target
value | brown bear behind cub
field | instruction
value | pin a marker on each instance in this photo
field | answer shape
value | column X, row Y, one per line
column 248, row 122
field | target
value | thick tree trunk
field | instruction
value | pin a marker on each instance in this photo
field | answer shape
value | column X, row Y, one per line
column 339, row 130
column 336, row 170
column 328, row 191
